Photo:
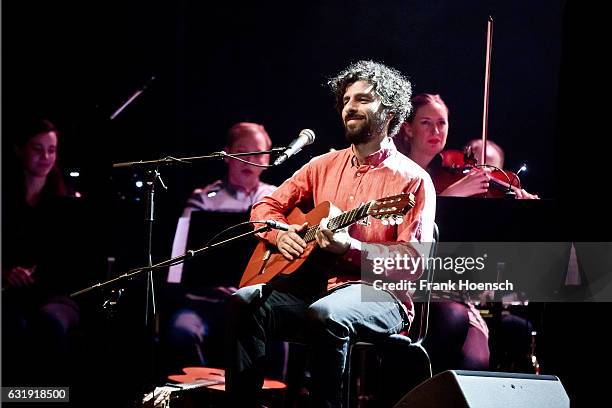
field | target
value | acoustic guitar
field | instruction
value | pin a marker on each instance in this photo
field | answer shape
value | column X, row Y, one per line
column 267, row 262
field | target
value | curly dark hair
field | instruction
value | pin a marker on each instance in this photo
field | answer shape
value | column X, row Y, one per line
column 389, row 84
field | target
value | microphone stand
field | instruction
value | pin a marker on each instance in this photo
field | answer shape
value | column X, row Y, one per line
column 187, row 160
column 132, row 273
column 153, row 176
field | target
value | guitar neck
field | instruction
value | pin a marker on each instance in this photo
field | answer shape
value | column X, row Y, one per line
column 341, row 221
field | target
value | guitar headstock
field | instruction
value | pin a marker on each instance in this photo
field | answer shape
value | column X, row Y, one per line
column 390, row 210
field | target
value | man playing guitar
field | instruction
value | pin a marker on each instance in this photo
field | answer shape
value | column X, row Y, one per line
column 323, row 303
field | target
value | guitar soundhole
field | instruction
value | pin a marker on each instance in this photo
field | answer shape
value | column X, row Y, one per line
column 267, row 255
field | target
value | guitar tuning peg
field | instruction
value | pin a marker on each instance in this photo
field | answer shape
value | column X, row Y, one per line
column 384, row 221
column 391, row 220
column 399, row 219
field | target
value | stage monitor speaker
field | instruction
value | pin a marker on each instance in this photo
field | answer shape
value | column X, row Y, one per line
column 484, row 389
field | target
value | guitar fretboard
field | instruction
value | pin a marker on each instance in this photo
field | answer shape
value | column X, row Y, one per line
column 341, row 221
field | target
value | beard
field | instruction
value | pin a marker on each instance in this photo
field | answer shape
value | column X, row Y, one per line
column 367, row 130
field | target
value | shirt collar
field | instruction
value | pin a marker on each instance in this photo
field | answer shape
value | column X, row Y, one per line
column 233, row 191
column 387, row 148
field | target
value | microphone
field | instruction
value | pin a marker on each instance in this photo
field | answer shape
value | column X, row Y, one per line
column 277, row 225
column 305, row 138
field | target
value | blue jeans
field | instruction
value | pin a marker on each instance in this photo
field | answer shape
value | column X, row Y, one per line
column 328, row 321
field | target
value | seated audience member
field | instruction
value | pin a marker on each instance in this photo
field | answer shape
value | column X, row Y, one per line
column 39, row 268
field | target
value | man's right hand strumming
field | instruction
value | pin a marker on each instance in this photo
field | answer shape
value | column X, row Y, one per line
column 289, row 243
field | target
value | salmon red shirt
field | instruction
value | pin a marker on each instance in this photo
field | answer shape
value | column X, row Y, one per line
column 339, row 178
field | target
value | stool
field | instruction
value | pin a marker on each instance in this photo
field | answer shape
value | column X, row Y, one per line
column 213, row 380
column 410, row 362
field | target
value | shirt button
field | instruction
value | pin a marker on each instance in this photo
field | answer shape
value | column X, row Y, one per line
column 358, row 174
column 349, row 259
column 351, row 197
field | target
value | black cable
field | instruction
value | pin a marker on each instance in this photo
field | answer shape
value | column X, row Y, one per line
column 503, row 172
column 211, row 240
column 207, row 243
column 515, row 176
column 167, row 263
column 225, row 154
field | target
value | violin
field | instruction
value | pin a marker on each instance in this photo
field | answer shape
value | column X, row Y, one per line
column 455, row 164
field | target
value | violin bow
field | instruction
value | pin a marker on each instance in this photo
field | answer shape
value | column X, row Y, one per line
column 485, row 113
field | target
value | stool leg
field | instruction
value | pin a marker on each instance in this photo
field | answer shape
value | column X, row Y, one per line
column 358, row 385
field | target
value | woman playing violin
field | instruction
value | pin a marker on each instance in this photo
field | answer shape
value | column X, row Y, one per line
column 423, row 137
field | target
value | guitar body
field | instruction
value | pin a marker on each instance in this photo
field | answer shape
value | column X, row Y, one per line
column 267, row 262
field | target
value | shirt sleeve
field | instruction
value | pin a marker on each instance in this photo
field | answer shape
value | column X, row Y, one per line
column 295, row 191
column 413, row 241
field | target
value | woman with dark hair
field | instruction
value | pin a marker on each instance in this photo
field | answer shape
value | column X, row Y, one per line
column 37, row 313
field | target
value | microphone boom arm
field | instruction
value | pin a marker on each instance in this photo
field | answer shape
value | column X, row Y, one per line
column 187, row 160
column 132, row 273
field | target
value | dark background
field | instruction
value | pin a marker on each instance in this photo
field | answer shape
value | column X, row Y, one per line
column 217, row 63
column 223, row 62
